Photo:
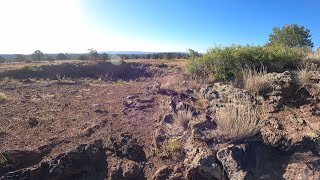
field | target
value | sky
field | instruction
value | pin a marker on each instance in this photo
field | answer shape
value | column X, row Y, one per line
column 74, row 26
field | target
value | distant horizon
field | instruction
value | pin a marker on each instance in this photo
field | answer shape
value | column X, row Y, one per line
column 146, row 25
column 100, row 52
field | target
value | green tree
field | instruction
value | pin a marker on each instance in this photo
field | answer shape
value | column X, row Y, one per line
column 20, row 58
column 291, row 36
column 2, row 59
column 48, row 58
column 38, row 55
column 61, row 56
column 193, row 54
column 83, row 57
column 93, row 54
column 104, row 56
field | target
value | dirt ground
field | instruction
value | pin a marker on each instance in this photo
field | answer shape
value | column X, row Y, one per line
column 39, row 112
column 65, row 112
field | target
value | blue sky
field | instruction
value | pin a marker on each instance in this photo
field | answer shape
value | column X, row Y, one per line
column 147, row 25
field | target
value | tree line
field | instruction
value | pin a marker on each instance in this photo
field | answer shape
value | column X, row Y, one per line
column 92, row 54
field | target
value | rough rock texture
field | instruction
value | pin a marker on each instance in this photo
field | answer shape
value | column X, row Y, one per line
column 302, row 166
column 155, row 87
column 234, row 160
column 133, row 170
column 290, row 133
column 252, row 161
column 17, row 159
column 130, row 170
column 220, row 94
column 202, row 163
column 139, row 102
column 162, row 173
column 127, row 147
column 87, row 161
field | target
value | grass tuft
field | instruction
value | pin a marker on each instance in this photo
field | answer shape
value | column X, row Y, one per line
column 313, row 57
column 120, row 82
column 255, row 81
column 303, row 76
column 3, row 97
column 171, row 147
column 239, row 122
column 182, row 118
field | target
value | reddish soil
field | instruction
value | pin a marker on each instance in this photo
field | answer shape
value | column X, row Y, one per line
column 39, row 112
column 63, row 112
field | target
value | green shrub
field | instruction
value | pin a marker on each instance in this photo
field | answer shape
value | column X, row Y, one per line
column 228, row 62
column 3, row 97
column 32, row 68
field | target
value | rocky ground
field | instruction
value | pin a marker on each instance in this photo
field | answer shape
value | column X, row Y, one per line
column 150, row 121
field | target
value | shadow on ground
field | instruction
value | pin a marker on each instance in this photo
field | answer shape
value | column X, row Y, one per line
column 106, row 70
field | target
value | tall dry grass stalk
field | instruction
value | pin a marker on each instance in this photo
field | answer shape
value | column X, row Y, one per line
column 182, row 118
column 255, row 81
column 313, row 57
column 195, row 85
column 303, row 76
column 239, row 122
column 173, row 82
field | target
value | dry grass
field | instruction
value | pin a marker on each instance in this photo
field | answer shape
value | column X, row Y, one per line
column 120, row 82
column 239, row 122
column 313, row 57
column 182, row 118
column 255, row 81
column 3, row 159
column 193, row 84
column 303, row 76
column 170, row 62
column 202, row 102
column 3, row 97
column 173, row 82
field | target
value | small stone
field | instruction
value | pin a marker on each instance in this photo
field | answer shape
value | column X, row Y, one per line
column 189, row 91
column 128, row 104
column 132, row 96
column 155, row 87
column 32, row 121
column 101, row 111
column 168, row 118
column 72, row 92
column 88, row 132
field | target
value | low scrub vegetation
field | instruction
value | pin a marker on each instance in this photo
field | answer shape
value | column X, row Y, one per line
column 32, row 68
column 228, row 62
column 255, row 81
column 182, row 118
column 303, row 77
column 173, row 82
column 3, row 97
column 303, row 74
column 171, row 147
column 313, row 57
column 120, row 82
column 239, row 122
